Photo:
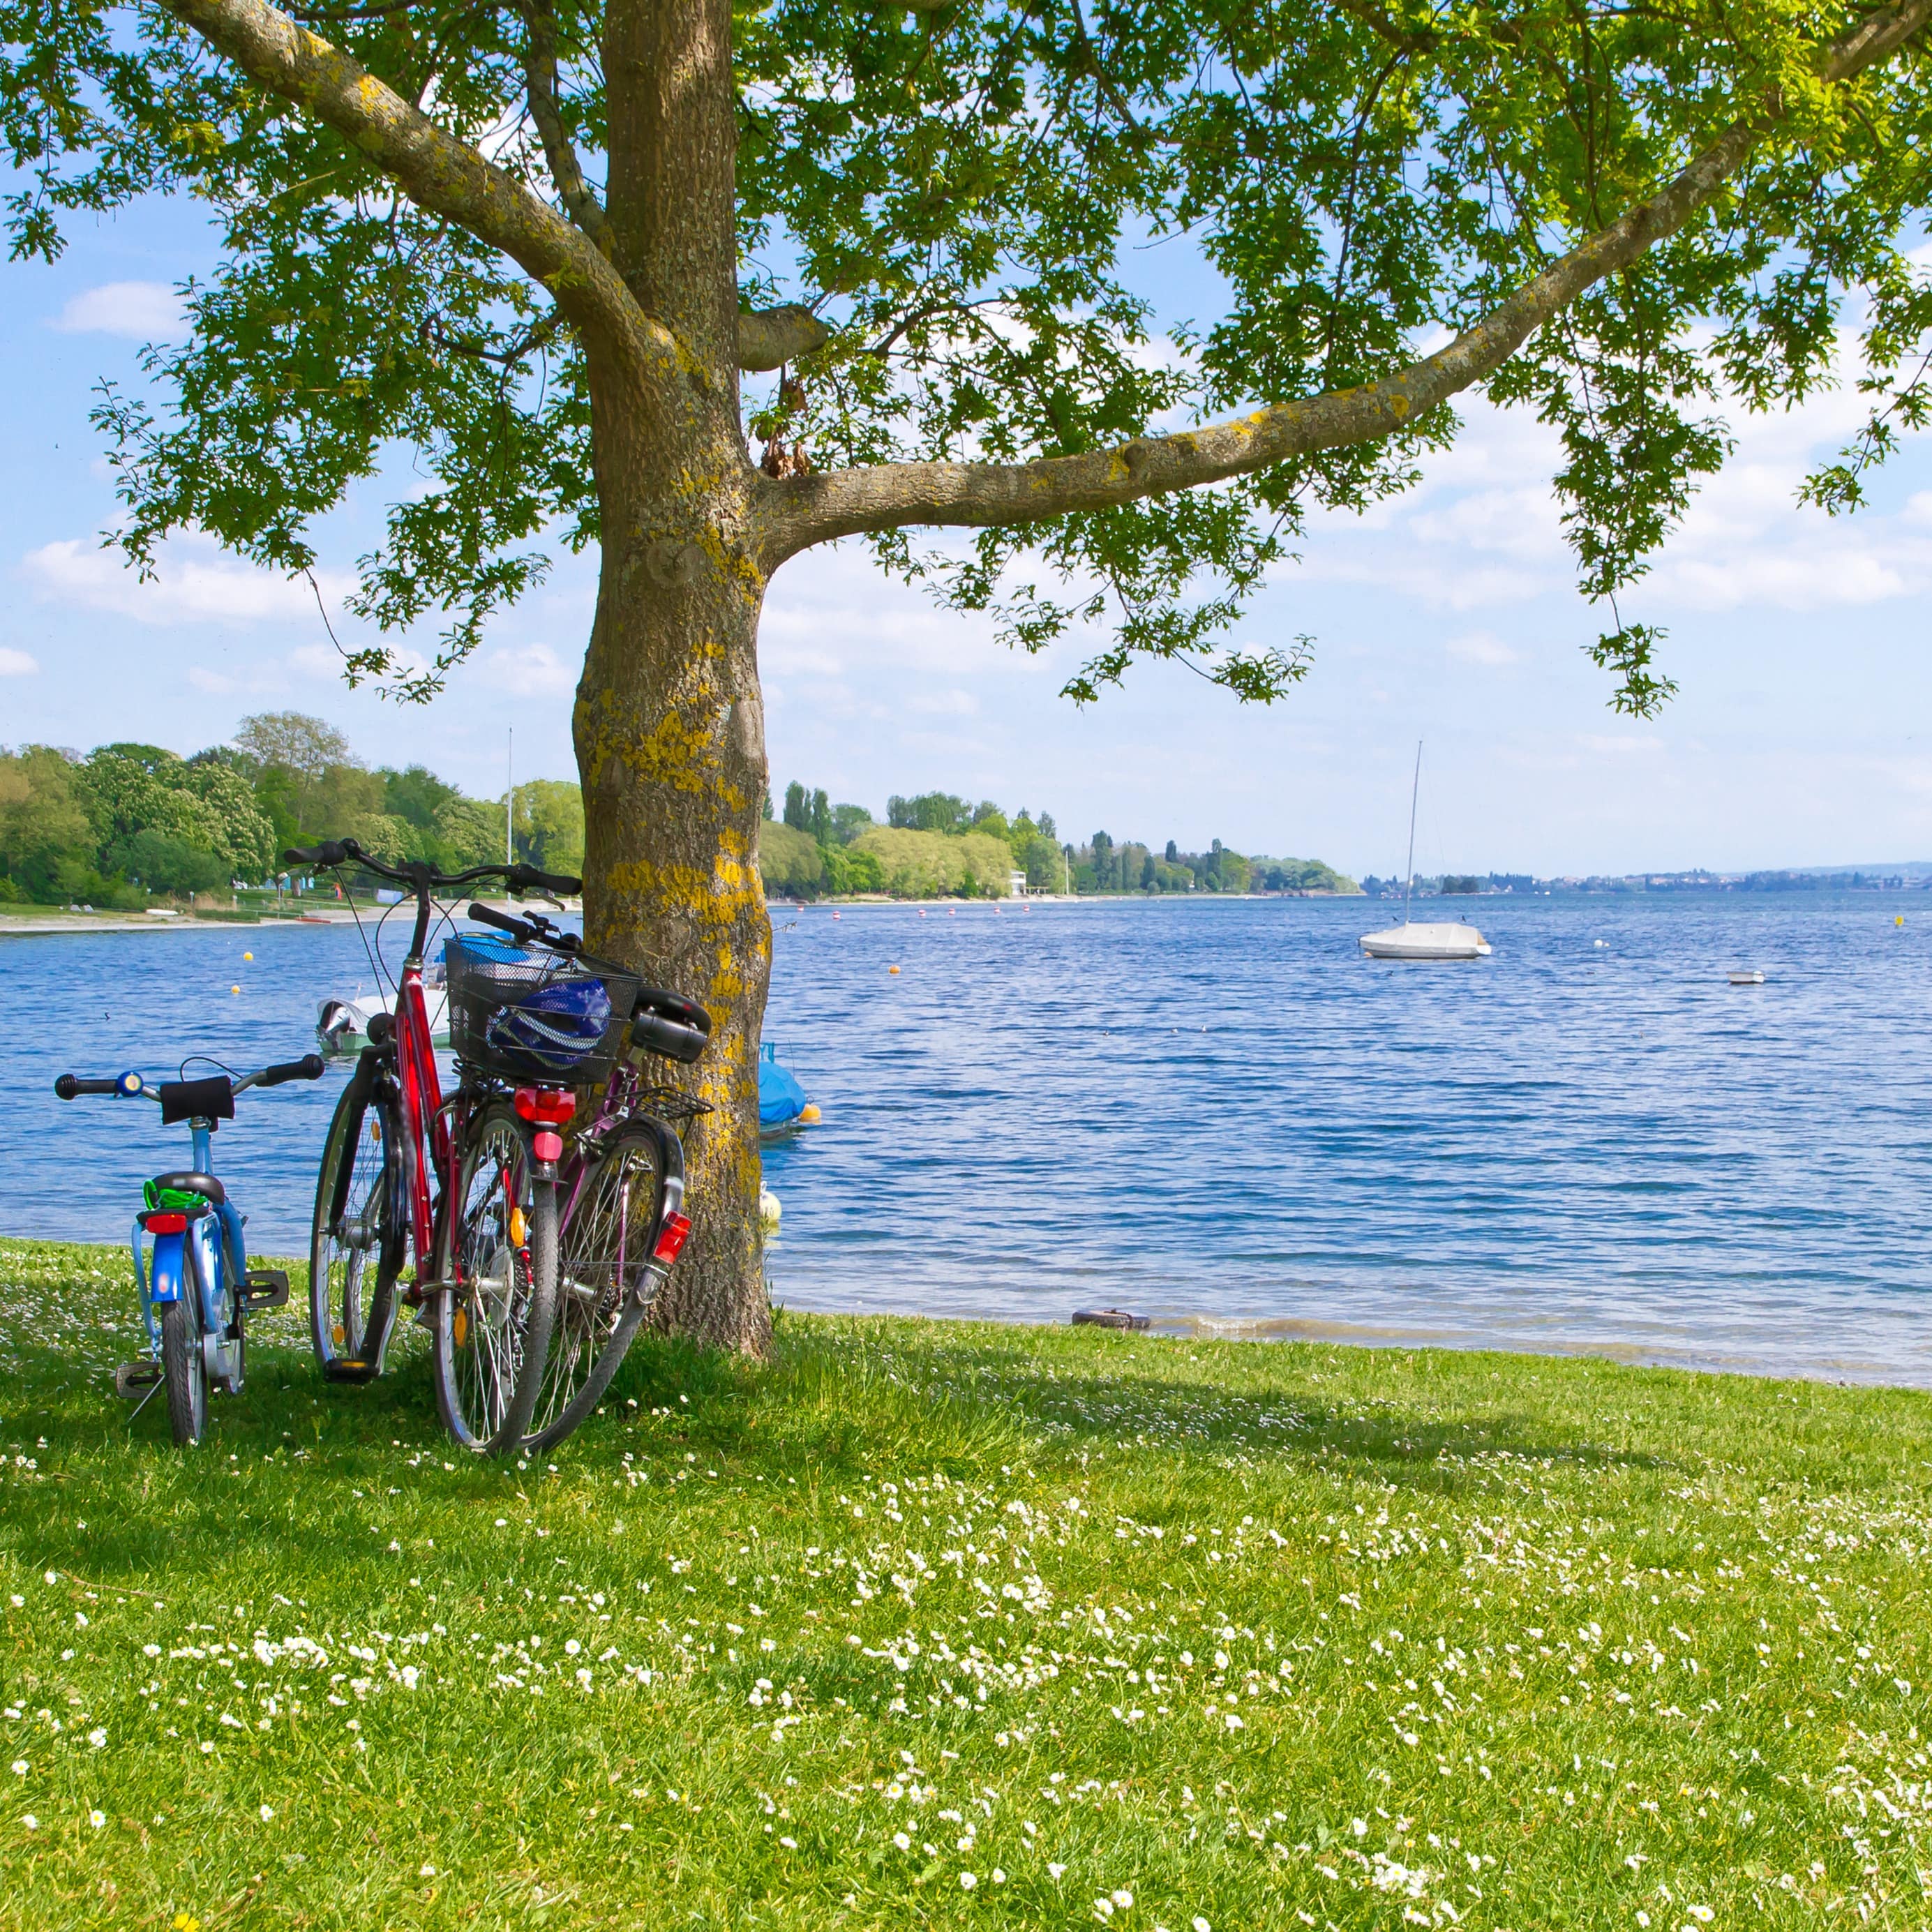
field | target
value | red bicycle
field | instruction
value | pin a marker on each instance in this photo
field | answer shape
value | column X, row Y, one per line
column 465, row 1182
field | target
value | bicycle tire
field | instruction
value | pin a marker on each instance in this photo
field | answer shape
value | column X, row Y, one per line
column 603, row 1251
column 350, row 1307
column 184, row 1366
column 494, row 1309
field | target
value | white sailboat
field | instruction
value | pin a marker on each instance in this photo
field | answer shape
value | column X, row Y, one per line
column 1433, row 940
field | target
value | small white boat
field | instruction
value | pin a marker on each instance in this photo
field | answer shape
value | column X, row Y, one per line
column 1444, row 941
column 342, row 1024
column 1746, row 976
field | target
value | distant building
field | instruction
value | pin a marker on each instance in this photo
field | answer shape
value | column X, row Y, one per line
column 1016, row 884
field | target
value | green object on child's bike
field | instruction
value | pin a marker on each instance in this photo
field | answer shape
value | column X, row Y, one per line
column 169, row 1200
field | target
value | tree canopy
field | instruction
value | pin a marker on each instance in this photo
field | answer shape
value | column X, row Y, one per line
column 949, row 219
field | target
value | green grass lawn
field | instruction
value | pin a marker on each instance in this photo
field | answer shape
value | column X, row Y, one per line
column 925, row 1623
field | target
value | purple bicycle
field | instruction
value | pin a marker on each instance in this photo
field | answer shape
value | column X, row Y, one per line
column 620, row 1191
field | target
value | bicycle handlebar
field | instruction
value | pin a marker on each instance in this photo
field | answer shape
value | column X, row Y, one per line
column 309, row 1067
column 71, row 1086
column 421, row 878
column 131, row 1086
column 521, row 930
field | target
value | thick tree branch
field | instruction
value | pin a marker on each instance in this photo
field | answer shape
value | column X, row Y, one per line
column 580, row 199
column 770, row 336
column 436, row 171
column 803, row 510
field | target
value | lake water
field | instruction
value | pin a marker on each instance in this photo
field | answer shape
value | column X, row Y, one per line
column 1217, row 1113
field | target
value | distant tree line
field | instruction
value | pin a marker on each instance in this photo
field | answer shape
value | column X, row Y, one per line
column 938, row 844
column 1103, row 866
column 130, row 823
column 1695, row 880
column 935, row 846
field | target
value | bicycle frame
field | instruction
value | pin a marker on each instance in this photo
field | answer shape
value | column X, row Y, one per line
column 421, row 1087
column 207, row 1254
column 619, row 1107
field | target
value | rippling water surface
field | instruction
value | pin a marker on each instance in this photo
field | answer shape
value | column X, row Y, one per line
column 1217, row 1113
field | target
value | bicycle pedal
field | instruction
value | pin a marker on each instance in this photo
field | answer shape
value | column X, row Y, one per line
column 263, row 1288
column 344, row 1369
column 133, row 1380
column 414, row 1296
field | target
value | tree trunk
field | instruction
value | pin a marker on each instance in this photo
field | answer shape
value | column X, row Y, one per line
column 670, row 746
column 669, row 725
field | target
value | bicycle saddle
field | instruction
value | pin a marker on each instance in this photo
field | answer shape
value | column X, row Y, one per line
column 210, row 1190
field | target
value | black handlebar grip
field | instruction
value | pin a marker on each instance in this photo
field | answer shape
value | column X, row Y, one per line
column 330, row 852
column 516, row 928
column 654, row 1033
column 309, row 1067
column 69, row 1086
column 672, row 1007
column 524, row 877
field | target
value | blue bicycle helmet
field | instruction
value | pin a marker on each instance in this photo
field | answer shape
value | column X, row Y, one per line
column 557, row 1027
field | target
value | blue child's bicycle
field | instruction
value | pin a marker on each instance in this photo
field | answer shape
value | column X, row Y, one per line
column 191, row 1261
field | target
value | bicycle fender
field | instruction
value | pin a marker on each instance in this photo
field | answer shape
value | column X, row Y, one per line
column 166, row 1271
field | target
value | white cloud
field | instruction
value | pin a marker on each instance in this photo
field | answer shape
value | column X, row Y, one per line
column 1482, row 530
column 316, row 661
column 1482, row 647
column 193, row 584
column 16, row 664
column 142, row 311
column 529, row 670
column 785, row 658
column 1619, row 747
column 953, row 703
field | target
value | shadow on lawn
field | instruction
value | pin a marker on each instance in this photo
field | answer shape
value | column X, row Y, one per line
column 838, row 1402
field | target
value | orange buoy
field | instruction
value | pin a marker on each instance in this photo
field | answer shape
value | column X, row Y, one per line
column 891, row 969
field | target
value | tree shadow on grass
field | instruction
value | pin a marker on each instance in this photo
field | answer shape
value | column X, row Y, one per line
column 843, row 1402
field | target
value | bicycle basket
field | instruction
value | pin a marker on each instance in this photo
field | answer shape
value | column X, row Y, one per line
column 525, row 1014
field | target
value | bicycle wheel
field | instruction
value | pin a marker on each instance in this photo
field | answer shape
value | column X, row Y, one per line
column 603, row 1291
column 184, row 1366
column 356, row 1239
column 493, row 1314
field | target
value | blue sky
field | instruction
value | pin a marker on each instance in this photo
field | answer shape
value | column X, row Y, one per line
column 1801, row 734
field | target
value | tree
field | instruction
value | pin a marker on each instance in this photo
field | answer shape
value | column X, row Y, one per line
column 470, row 833
column 302, row 745
column 789, row 861
column 44, row 826
column 549, row 825
column 848, row 822
column 797, row 810
column 540, row 244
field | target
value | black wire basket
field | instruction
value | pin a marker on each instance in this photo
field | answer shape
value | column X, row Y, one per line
column 536, row 1018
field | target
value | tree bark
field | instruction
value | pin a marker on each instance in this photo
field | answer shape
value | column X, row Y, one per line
column 670, row 744
column 669, row 723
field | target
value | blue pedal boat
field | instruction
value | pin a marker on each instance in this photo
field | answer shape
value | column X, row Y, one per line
column 782, row 1103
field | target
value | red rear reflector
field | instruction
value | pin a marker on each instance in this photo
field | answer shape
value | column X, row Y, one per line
column 671, row 1238
column 549, row 1104
column 546, row 1145
column 167, row 1224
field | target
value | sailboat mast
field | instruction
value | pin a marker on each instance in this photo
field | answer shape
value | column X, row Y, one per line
column 510, row 800
column 1415, row 793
